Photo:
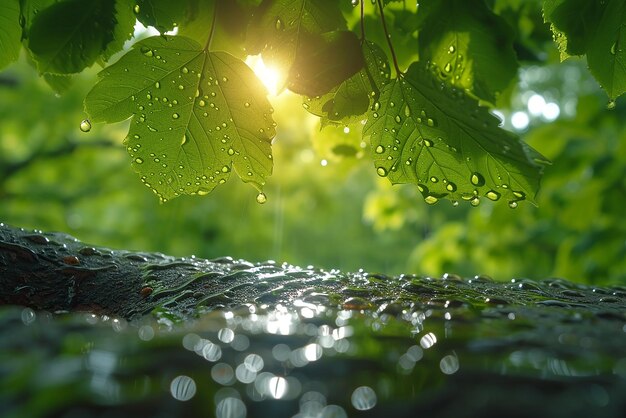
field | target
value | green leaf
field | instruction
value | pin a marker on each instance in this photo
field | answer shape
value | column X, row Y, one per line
column 323, row 61
column 426, row 133
column 470, row 45
column 69, row 36
column 29, row 9
column 60, row 83
column 230, row 26
column 280, row 27
column 124, row 27
column 597, row 29
column 352, row 98
column 164, row 15
column 570, row 19
column 196, row 115
column 10, row 32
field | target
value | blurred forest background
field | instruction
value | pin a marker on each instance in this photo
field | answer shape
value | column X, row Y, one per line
column 326, row 205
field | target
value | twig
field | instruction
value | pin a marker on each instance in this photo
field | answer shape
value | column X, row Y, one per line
column 388, row 37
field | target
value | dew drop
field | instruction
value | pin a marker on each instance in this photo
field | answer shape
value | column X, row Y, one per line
column 611, row 105
column 279, row 24
column 146, row 51
column 398, row 119
column 430, row 122
column 261, row 198
column 136, row 9
column 475, row 201
column 447, row 68
column 157, row 85
column 85, row 125
column 184, row 140
column 614, row 48
column 428, row 142
column 139, row 160
column 431, row 200
column 407, row 111
column 492, row 195
column 381, row 171
column 451, row 187
column 376, row 106
column 519, row 195
column 451, row 49
column 513, row 204
column 477, row 179
column 379, row 149
column 231, row 151
column 305, row 105
column 434, row 179
column 354, row 2
column 201, row 103
column 246, row 104
column 184, row 70
column 175, row 116
column 181, row 87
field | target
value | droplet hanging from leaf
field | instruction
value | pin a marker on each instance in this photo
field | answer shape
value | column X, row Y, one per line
column 85, row 125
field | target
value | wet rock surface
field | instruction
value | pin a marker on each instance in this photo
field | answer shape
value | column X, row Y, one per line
column 164, row 336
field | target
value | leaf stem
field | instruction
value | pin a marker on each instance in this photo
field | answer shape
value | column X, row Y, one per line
column 388, row 37
column 362, row 21
column 207, row 46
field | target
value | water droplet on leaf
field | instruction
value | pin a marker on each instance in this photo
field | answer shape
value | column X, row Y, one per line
column 431, row 200
column 492, row 195
column 381, row 171
column 146, row 51
column 477, row 179
column 379, row 149
column 85, row 125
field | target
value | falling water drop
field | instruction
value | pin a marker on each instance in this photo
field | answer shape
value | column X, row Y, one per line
column 261, row 198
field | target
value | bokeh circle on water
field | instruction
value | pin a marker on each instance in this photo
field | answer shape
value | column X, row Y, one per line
column 183, row 388
column 230, row 408
column 363, row 398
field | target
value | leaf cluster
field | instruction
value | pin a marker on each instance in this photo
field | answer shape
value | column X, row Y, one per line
column 199, row 113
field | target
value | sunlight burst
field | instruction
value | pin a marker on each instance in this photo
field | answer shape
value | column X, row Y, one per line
column 270, row 77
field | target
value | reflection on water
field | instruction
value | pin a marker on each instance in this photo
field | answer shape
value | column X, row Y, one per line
column 458, row 350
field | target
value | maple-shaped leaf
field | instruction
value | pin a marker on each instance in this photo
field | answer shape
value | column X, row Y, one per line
column 195, row 115
column 424, row 132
